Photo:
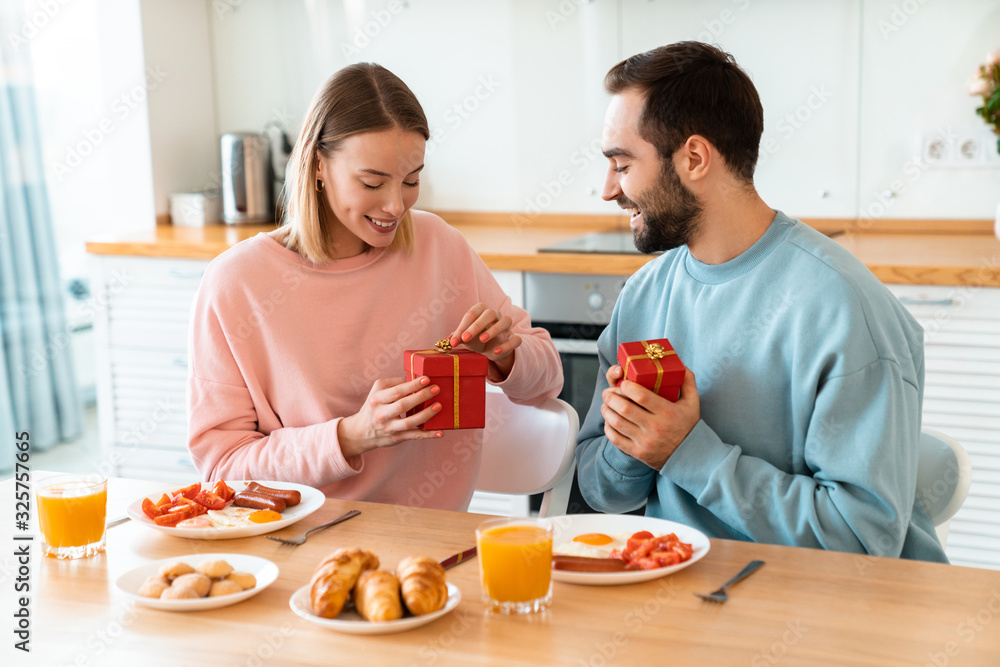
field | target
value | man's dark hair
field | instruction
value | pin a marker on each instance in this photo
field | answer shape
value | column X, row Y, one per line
column 694, row 88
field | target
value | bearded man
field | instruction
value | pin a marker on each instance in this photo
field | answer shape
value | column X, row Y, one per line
column 802, row 427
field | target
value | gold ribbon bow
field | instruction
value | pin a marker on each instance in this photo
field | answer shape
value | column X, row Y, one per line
column 444, row 347
column 655, row 352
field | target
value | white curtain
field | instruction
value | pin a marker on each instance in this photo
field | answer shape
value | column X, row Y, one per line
column 37, row 386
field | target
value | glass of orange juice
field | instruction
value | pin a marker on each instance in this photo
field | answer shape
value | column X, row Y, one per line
column 515, row 564
column 71, row 513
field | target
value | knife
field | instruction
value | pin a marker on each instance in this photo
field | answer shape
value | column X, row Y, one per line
column 452, row 561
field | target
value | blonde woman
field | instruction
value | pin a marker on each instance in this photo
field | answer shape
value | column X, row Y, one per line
column 297, row 336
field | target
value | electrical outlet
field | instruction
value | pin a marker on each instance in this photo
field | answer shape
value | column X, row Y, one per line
column 991, row 149
column 959, row 148
column 968, row 150
column 935, row 148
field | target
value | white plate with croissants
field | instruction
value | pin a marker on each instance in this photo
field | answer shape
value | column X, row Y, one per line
column 349, row 594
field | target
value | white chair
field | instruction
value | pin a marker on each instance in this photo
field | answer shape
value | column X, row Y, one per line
column 526, row 450
column 944, row 473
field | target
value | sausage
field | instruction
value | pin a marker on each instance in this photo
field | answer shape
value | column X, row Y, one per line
column 584, row 564
column 259, row 501
column 290, row 496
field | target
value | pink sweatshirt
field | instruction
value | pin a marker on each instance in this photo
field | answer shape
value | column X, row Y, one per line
column 281, row 349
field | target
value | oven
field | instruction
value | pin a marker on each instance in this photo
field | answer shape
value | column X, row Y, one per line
column 574, row 309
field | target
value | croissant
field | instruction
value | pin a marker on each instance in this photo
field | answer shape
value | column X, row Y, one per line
column 333, row 580
column 376, row 597
column 423, row 584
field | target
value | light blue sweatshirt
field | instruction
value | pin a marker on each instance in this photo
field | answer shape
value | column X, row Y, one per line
column 810, row 375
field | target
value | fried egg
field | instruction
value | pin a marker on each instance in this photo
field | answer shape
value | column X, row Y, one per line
column 593, row 545
column 238, row 517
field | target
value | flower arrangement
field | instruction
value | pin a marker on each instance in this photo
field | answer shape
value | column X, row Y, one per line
column 986, row 84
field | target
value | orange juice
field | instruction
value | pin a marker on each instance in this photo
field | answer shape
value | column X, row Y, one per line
column 515, row 561
column 71, row 514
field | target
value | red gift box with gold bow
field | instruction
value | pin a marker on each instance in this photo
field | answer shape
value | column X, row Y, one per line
column 461, row 375
column 654, row 364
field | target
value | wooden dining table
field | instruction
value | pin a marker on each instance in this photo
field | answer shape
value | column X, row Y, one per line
column 804, row 607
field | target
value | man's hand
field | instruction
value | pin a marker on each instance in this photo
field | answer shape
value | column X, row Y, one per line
column 644, row 425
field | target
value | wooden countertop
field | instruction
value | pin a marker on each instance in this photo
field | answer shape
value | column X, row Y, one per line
column 899, row 252
column 804, row 607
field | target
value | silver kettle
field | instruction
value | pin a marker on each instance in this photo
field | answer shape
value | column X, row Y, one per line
column 247, row 182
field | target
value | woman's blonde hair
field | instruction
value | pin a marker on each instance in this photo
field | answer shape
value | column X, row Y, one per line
column 363, row 97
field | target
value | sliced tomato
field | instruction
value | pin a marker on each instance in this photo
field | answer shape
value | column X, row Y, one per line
column 191, row 491
column 150, row 509
column 164, row 501
column 224, row 491
column 645, row 563
column 170, row 519
column 665, row 558
column 185, row 511
column 209, row 500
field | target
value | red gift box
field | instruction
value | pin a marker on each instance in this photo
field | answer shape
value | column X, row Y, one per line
column 654, row 364
column 461, row 375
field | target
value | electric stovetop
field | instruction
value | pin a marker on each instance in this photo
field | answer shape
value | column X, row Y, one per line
column 617, row 243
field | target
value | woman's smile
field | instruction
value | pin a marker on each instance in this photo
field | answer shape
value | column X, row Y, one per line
column 384, row 225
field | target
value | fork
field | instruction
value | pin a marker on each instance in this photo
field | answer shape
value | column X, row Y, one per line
column 301, row 539
column 720, row 595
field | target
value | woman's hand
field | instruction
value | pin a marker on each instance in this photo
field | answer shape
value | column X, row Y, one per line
column 382, row 420
column 486, row 331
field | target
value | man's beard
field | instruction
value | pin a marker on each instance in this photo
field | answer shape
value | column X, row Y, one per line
column 671, row 214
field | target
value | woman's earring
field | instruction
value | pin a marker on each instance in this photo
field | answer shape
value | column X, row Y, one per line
column 319, row 185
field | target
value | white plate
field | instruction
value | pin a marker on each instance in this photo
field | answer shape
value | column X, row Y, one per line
column 264, row 570
column 565, row 528
column 312, row 500
column 350, row 622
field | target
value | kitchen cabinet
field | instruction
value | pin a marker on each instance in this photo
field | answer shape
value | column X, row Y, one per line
column 962, row 399
column 807, row 80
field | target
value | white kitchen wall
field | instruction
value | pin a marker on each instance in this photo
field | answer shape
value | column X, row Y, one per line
column 919, row 58
column 182, row 134
column 513, row 90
